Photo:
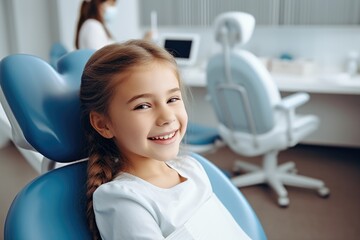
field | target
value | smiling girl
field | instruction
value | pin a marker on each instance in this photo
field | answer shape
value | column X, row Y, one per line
column 134, row 118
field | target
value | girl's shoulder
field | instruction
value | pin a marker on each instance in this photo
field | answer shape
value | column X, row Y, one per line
column 123, row 188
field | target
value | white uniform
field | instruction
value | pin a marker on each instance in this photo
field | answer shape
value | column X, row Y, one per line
column 131, row 208
column 92, row 35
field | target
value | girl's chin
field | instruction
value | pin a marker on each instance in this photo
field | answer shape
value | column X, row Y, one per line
column 167, row 154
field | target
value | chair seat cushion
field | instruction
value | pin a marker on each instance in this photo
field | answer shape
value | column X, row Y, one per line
column 52, row 206
column 275, row 139
column 197, row 134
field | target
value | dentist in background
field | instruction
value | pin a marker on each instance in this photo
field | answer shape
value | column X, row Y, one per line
column 91, row 31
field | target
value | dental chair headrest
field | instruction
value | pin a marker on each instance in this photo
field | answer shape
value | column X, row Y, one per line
column 237, row 27
column 43, row 105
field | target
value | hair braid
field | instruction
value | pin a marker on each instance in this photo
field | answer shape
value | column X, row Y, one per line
column 93, row 182
column 102, row 167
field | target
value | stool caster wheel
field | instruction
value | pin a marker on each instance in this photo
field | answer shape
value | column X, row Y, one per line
column 283, row 201
column 324, row 192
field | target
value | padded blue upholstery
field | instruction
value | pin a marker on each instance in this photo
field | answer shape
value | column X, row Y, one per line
column 57, row 50
column 46, row 102
column 46, row 106
column 197, row 134
column 51, row 207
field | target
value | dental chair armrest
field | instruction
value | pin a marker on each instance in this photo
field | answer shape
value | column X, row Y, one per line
column 293, row 101
column 288, row 106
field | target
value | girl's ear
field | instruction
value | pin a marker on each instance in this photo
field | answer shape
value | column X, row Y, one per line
column 100, row 123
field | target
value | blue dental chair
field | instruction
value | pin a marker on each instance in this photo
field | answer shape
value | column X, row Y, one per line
column 253, row 120
column 5, row 129
column 43, row 106
column 57, row 50
column 201, row 139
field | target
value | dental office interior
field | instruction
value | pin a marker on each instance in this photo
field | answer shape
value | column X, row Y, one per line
column 305, row 47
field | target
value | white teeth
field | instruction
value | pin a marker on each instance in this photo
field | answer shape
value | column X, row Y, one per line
column 165, row 137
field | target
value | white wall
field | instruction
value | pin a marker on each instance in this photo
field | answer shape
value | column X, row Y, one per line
column 126, row 26
column 32, row 26
column 327, row 46
column 68, row 11
column 4, row 45
column 27, row 27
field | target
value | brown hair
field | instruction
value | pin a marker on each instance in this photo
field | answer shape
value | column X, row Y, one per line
column 90, row 9
column 96, row 91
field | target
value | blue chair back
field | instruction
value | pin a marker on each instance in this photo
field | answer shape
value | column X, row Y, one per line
column 57, row 50
column 44, row 102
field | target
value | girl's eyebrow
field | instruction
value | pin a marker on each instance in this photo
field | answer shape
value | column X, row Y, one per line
column 148, row 95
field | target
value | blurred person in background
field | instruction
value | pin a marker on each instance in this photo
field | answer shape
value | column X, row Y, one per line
column 92, row 31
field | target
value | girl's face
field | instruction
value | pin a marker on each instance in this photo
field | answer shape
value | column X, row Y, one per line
column 147, row 116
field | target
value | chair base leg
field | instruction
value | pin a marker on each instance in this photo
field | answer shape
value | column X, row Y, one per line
column 277, row 176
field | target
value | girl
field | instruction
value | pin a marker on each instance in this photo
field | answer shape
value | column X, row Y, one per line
column 134, row 118
column 91, row 31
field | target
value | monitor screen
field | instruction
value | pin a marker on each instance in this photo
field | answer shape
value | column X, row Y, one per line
column 183, row 46
column 179, row 48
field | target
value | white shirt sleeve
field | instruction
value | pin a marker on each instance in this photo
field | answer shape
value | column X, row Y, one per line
column 92, row 35
column 123, row 218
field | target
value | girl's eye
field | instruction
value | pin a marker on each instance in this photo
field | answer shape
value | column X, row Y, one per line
column 174, row 99
column 142, row 106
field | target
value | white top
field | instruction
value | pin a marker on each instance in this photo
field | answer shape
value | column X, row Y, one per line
column 131, row 208
column 92, row 35
column 212, row 221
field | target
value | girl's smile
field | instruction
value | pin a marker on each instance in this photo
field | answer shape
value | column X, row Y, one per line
column 164, row 138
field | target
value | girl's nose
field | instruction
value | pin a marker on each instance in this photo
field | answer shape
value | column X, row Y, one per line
column 165, row 116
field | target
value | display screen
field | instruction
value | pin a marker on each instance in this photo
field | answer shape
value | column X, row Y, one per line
column 179, row 48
